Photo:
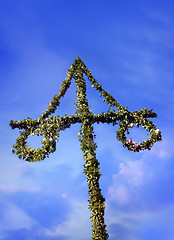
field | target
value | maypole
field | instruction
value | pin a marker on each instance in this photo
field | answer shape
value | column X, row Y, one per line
column 50, row 126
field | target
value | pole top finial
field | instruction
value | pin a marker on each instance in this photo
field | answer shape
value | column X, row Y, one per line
column 78, row 59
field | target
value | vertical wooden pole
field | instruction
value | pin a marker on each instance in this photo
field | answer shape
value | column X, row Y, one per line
column 91, row 166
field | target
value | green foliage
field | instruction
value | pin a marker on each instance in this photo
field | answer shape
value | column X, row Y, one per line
column 49, row 128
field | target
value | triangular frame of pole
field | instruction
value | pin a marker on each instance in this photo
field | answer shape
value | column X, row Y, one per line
column 67, row 83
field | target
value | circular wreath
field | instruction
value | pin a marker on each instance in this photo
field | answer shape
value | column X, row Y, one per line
column 50, row 133
column 126, row 124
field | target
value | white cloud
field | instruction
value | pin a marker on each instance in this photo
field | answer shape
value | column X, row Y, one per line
column 77, row 226
column 165, row 148
column 133, row 222
column 164, row 33
column 134, row 171
column 14, row 218
column 119, row 194
column 12, row 188
column 14, row 177
column 125, row 183
column 64, row 195
column 60, row 229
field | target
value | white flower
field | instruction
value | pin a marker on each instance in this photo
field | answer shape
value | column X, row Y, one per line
column 157, row 131
column 51, row 139
column 32, row 134
column 131, row 125
column 86, row 165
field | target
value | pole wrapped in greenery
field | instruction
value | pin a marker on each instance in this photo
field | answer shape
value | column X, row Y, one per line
column 50, row 126
column 91, row 167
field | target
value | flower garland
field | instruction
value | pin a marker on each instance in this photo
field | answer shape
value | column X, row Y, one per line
column 50, row 126
column 137, row 118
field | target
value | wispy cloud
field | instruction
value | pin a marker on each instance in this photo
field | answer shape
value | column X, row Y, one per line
column 134, row 171
column 12, row 178
column 14, row 218
column 133, row 223
column 77, row 225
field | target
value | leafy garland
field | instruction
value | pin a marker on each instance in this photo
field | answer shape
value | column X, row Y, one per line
column 49, row 128
column 91, row 167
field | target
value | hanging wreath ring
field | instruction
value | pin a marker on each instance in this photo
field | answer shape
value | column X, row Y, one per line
column 48, row 130
column 128, row 123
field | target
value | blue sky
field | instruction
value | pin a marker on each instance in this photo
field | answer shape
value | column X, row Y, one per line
column 129, row 47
